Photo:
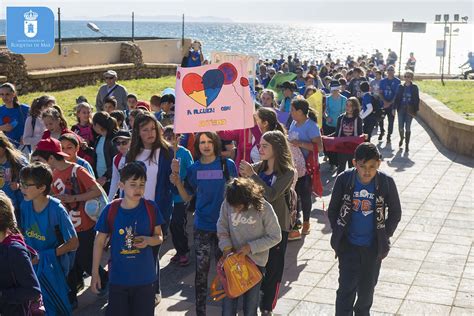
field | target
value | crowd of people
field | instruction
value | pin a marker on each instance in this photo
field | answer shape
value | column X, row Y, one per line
column 121, row 179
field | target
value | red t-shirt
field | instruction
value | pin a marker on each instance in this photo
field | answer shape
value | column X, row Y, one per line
column 62, row 185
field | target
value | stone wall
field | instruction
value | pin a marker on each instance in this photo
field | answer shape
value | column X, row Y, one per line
column 130, row 66
column 453, row 131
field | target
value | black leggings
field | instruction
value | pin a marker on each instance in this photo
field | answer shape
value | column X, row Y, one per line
column 303, row 189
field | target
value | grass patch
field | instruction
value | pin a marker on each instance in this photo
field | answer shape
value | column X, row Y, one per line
column 457, row 95
column 143, row 88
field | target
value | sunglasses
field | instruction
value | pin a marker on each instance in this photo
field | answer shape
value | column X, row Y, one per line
column 409, row 77
column 121, row 143
column 109, row 78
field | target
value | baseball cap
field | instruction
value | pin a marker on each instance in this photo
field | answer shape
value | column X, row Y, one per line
column 390, row 68
column 110, row 73
column 122, row 134
column 143, row 105
column 51, row 145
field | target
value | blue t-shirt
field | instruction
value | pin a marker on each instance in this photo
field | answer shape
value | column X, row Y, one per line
column 267, row 178
column 304, row 133
column 334, row 108
column 16, row 117
column 388, row 88
column 130, row 266
column 37, row 228
column 186, row 160
column 286, row 103
column 101, row 164
column 301, row 86
column 194, row 59
column 362, row 226
column 83, row 163
column 406, row 97
column 207, row 182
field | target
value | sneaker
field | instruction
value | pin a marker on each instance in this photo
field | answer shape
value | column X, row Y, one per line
column 298, row 224
column 306, row 229
column 183, row 261
column 266, row 313
column 157, row 299
column 294, row 235
column 175, row 258
column 381, row 136
column 104, row 291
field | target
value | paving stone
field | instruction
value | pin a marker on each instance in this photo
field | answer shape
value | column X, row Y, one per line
column 321, row 295
column 284, row 306
column 453, row 240
column 393, row 290
column 436, row 281
column 386, row 304
column 466, row 285
column 410, row 307
column 446, row 258
column 418, row 236
column 397, row 276
column 431, row 295
column 441, row 269
column 459, row 311
column 297, row 292
column 406, row 243
column 396, row 252
column 311, row 308
column 464, row 299
column 303, row 278
column 402, row 264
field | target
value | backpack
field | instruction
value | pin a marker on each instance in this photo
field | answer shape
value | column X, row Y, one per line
column 117, row 160
column 113, row 210
column 378, row 111
column 291, row 199
column 191, row 207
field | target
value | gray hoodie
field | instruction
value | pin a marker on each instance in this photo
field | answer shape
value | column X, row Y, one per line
column 258, row 229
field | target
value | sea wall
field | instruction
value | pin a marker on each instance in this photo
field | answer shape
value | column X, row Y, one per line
column 83, row 63
column 452, row 130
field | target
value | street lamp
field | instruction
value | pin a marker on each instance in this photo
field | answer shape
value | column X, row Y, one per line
column 448, row 31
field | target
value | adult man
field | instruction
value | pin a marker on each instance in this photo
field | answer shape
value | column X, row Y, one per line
column 388, row 89
column 111, row 88
column 469, row 61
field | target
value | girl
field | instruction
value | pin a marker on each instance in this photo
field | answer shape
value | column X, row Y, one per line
column 205, row 180
column 83, row 127
column 19, row 284
column 348, row 124
column 12, row 114
column 149, row 147
column 122, row 141
column 267, row 99
column 54, row 122
column 304, row 133
column 106, row 129
column 34, row 126
column 406, row 103
column 276, row 174
column 247, row 225
column 11, row 162
column 249, row 136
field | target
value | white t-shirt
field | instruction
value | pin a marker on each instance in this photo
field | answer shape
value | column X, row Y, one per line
column 151, row 171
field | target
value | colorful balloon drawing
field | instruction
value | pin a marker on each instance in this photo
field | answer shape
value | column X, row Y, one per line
column 230, row 73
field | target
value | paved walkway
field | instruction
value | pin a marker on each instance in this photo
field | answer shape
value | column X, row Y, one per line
column 430, row 269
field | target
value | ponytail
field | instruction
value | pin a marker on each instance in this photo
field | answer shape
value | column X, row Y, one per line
column 312, row 115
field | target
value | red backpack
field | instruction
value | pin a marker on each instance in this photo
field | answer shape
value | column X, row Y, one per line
column 117, row 160
column 113, row 210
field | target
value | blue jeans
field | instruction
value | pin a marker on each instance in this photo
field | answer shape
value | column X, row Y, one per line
column 404, row 120
column 251, row 299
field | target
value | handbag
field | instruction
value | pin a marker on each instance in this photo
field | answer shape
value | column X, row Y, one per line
column 237, row 274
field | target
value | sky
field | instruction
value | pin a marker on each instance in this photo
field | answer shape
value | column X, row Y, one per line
column 259, row 11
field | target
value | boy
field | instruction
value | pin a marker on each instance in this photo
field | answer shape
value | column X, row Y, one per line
column 388, row 89
column 119, row 116
column 133, row 225
column 43, row 220
column 155, row 103
column 73, row 185
column 122, row 141
column 360, row 202
column 167, row 107
column 110, row 104
column 132, row 101
column 70, row 145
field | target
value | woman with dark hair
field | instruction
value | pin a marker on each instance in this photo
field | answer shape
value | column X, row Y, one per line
column 34, row 125
column 248, row 226
column 149, row 146
column 276, row 174
column 205, row 181
column 18, row 282
column 304, row 133
column 106, row 128
column 12, row 114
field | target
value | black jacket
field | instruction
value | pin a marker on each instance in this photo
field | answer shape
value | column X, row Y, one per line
column 357, row 126
column 415, row 97
column 387, row 209
column 18, row 282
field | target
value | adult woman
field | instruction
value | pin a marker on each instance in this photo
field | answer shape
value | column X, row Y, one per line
column 304, row 133
column 275, row 173
column 34, row 126
column 11, row 162
column 12, row 114
column 18, row 282
column 247, row 225
column 406, row 103
column 205, row 180
column 148, row 146
column 106, row 127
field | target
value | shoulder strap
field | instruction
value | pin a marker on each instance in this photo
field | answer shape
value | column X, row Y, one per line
column 113, row 210
column 53, row 220
column 151, row 215
column 110, row 92
column 33, row 123
column 117, row 160
column 225, row 169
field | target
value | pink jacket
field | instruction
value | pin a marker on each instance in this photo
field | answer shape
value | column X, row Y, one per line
column 238, row 137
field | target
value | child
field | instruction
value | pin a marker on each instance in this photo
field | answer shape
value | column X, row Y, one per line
column 34, row 126
column 364, row 212
column 119, row 116
column 133, row 225
column 155, row 103
column 247, row 225
column 110, row 104
column 132, row 101
column 83, row 128
column 368, row 109
column 122, row 141
column 348, row 124
column 167, row 107
column 132, row 116
column 43, row 220
column 70, row 145
column 54, row 122
column 179, row 218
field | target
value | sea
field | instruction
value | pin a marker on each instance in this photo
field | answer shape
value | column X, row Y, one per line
column 311, row 41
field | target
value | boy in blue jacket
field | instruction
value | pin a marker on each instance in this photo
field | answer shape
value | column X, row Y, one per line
column 364, row 212
column 134, row 227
